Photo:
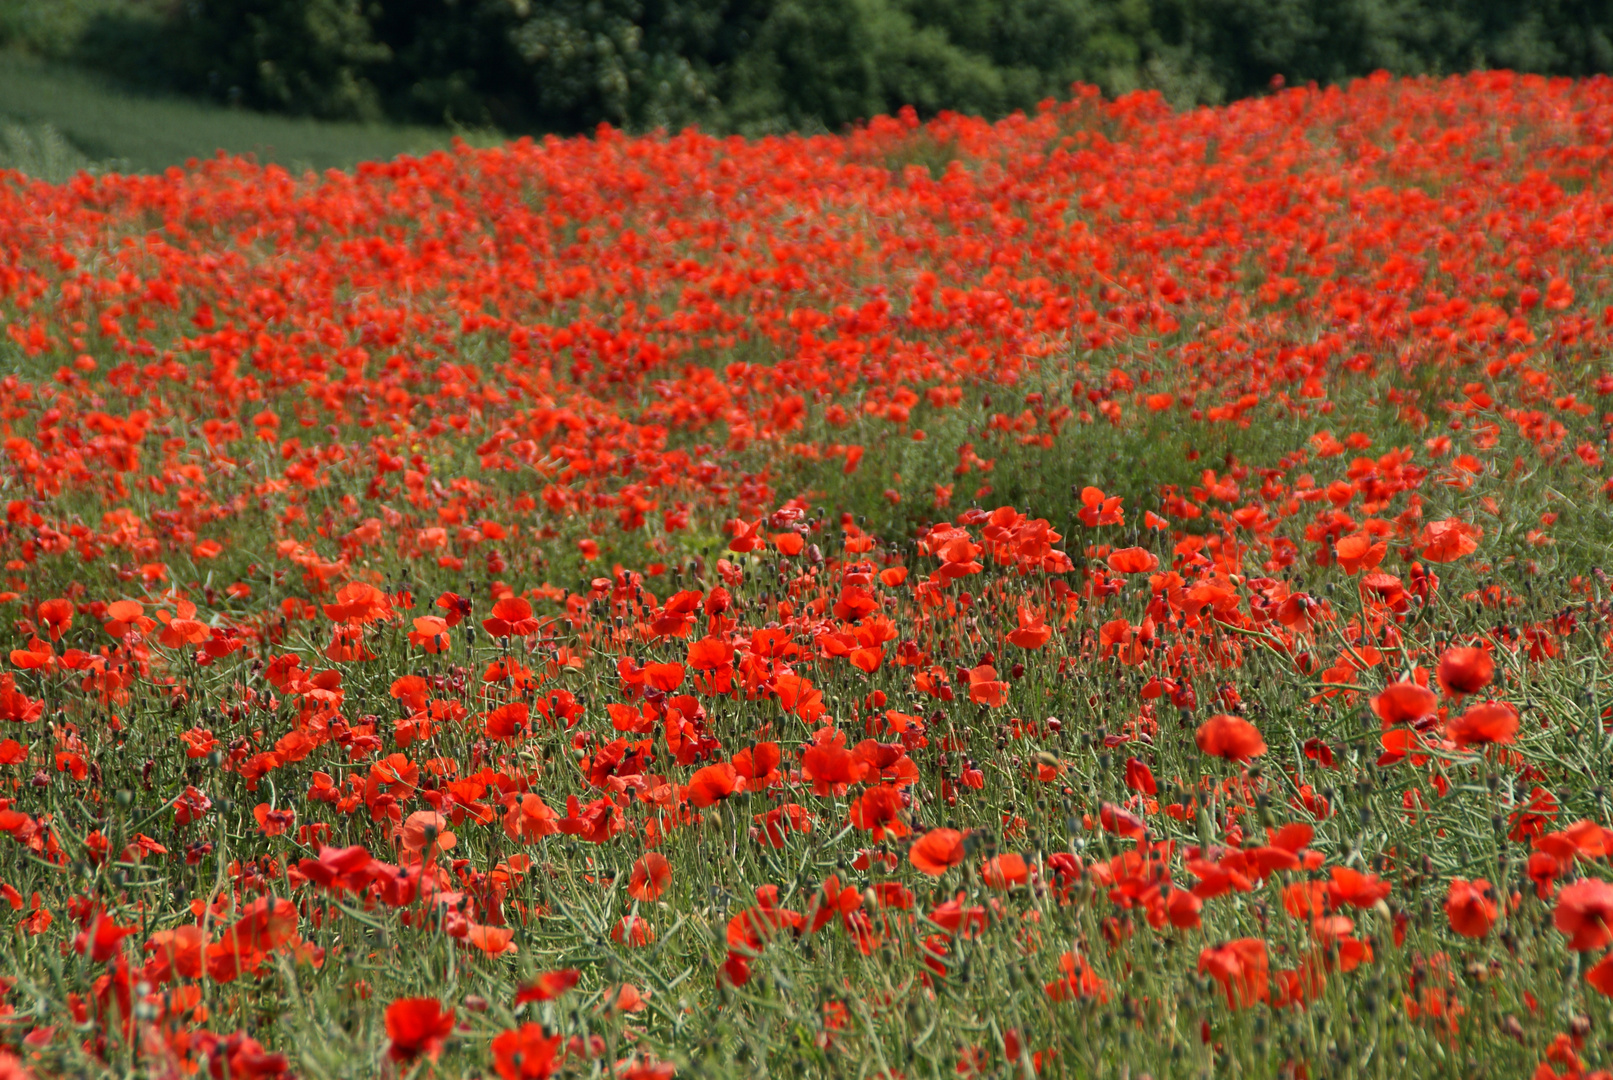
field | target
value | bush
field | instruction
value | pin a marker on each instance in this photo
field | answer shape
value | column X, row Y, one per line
column 1245, row 43
column 307, row 57
column 768, row 65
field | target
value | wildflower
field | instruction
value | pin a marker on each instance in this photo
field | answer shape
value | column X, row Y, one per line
column 548, row 986
column 1463, row 670
column 650, row 876
column 1585, row 913
column 936, row 851
column 1230, row 737
column 1483, row 724
column 878, row 810
column 430, row 633
column 1133, row 560
column 1470, row 908
column 1242, row 968
column 714, row 783
column 525, row 1053
column 1032, row 631
column 529, row 818
column 1449, row 540
column 57, row 615
column 417, row 1026
column 1404, row 703
column 424, row 833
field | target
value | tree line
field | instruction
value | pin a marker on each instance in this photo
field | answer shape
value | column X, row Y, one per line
column 756, row 66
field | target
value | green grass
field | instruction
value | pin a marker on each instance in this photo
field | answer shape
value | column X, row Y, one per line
column 101, row 124
column 40, row 151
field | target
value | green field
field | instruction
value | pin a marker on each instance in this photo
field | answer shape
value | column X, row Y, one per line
column 55, row 120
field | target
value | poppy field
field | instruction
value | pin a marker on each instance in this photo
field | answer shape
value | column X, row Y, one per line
column 1112, row 592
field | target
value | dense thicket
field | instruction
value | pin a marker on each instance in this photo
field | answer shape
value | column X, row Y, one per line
column 757, row 65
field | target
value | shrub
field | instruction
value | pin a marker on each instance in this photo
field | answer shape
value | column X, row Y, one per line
column 309, row 57
column 768, row 65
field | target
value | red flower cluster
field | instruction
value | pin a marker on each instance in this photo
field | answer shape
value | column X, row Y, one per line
column 686, row 557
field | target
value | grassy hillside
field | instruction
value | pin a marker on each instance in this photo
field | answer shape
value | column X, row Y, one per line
column 55, row 119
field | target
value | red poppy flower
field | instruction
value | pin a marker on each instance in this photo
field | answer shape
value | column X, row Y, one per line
column 338, row 868
column 507, row 722
column 492, row 940
column 714, row 783
column 1348, row 887
column 758, row 765
column 1139, row 777
column 1485, row 723
column 1448, row 540
column 937, row 851
column 1465, row 670
column 1005, row 871
column 879, row 811
column 430, row 633
column 548, row 986
column 1470, row 907
column 1601, row 976
column 265, row 925
column 1182, row 909
column 529, row 818
column 985, row 688
column 633, row 931
column 1242, row 968
column 425, row 832
column 1230, row 737
column 358, row 603
column 651, row 873
column 1585, row 914
column 1032, row 631
column 776, row 824
column 103, row 939
column 57, row 615
column 1133, row 560
column 234, row 1055
column 454, row 606
column 597, row 822
column 1079, row 981
column 1404, row 703
column 1358, row 552
column 180, row 951
column 417, row 1026
column 1122, row 822
column 831, row 769
column 525, row 1053
column 273, row 822
column 663, row 677
column 710, row 653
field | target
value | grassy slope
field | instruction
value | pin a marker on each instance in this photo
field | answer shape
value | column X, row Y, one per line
column 149, row 134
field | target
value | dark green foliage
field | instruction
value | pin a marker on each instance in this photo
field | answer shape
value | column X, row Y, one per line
column 768, row 65
column 1244, row 43
column 311, row 57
